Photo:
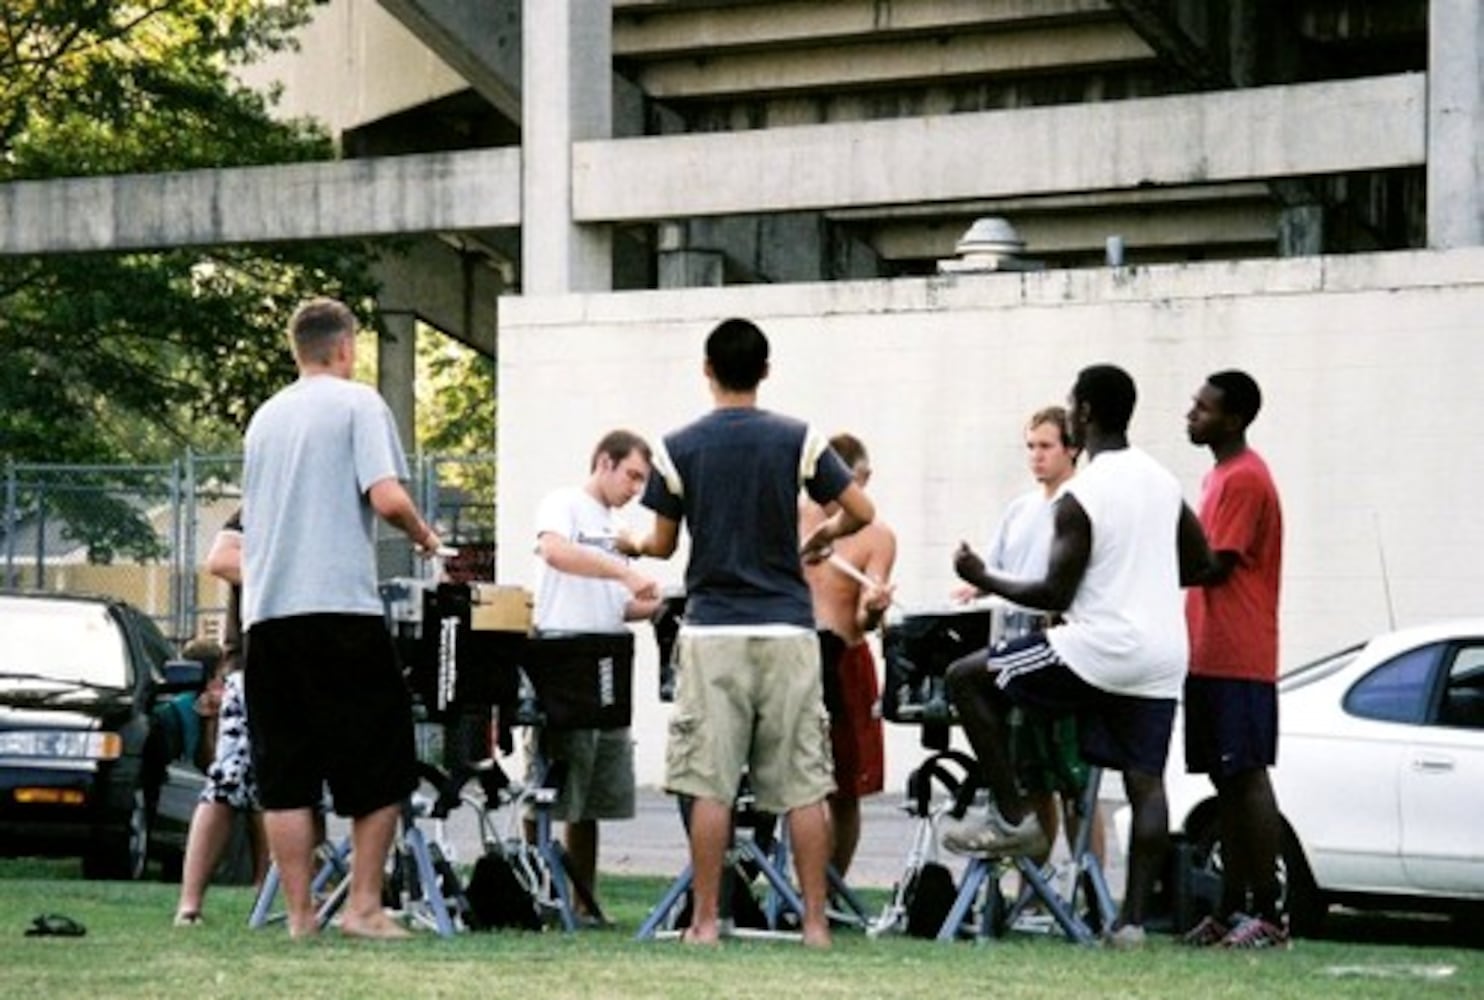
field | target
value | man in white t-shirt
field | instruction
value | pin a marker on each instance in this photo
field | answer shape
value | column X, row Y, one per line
column 1122, row 540
column 586, row 586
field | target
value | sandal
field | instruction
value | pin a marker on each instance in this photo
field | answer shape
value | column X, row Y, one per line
column 189, row 918
column 55, row 925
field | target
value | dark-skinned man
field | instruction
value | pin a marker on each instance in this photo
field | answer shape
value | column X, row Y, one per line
column 1123, row 540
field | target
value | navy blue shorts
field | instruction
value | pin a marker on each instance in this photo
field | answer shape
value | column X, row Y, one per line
column 1231, row 725
column 326, row 704
column 1118, row 731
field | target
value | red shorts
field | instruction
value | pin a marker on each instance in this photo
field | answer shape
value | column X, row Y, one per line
column 855, row 731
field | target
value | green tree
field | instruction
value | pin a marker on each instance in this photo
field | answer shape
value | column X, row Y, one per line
column 459, row 420
column 127, row 357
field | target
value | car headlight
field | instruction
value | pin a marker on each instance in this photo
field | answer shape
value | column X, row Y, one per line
column 61, row 744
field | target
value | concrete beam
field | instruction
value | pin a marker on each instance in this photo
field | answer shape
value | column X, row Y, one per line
column 480, row 41
column 1159, row 25
column 457, row 291
column 642, row 32
column 1331, row 127
column 884, row 62
column 1455, row 124
column 436, row 192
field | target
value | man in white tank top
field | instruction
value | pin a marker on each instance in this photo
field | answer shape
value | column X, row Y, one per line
column 1122, row 537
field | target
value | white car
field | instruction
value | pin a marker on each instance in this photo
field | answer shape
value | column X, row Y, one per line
column 1380, row 778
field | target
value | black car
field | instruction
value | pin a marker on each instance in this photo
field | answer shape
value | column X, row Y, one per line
column 92, row 705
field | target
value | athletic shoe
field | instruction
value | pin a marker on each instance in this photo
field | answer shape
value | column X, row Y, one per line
column 995, row 837
column 1255, row 932
column 1128, row 937
column 1211, row 931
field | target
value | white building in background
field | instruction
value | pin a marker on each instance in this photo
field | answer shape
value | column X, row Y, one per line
column 1298, row 190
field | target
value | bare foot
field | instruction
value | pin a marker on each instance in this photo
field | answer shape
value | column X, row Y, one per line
column 373, row 926
column 817, row 938
column 701, row 938
column 304, row 932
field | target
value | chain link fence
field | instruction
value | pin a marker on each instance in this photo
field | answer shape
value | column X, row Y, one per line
column 141, row 532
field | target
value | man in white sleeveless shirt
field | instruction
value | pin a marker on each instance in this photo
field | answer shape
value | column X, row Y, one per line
column 1118, row 659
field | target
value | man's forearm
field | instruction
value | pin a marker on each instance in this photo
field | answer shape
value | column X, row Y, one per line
column 1038, row 594
column 394, row 505
column 563, row 556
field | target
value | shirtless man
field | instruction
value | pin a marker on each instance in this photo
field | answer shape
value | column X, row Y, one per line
column 849, row 609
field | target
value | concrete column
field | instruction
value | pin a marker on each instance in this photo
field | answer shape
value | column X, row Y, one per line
column 1455, row 124
column 396, row 372
column 1301, row 230
column 567, row 85
column 681, row 265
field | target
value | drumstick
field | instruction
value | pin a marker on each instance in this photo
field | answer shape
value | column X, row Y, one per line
column 838, row 561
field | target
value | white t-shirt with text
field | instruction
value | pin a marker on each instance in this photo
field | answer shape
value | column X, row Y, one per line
column 566, row 602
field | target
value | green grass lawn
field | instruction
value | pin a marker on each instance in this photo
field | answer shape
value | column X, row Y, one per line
column 131, row 950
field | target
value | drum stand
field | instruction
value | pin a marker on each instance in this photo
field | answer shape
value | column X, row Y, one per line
column 845, row 906
column 961, row 788
column 330, row 885
column 982, row 874
column 420, row 872
column 552, row 854
column 746, row 854
column 419, row 867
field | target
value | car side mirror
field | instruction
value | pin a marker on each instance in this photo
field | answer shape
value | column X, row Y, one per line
column 183, row 675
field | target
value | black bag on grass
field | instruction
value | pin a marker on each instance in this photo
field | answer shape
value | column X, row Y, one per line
column 497, row 899
column 929, row 897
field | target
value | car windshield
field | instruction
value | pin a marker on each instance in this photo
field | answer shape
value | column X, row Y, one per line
column 72, row 642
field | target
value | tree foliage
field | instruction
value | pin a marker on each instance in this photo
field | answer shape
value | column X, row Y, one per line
column 461, row 422
column 463, row 382
column 127, row 357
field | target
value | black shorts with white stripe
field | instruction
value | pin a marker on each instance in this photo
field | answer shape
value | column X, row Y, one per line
column 1119, row 731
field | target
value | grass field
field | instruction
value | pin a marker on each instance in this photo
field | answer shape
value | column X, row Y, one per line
column 131, row 950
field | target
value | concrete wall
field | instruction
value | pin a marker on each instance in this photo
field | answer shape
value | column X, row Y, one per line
column 1370, row 365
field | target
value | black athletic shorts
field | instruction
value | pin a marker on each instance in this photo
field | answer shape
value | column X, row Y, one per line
column 1118, row 731
column 326, row 704
column 1231, row 725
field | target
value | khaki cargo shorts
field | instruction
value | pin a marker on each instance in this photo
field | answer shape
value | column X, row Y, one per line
column 754, row 702
column 599, row 783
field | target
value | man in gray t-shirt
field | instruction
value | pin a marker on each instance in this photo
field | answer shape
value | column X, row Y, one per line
column 326, row 699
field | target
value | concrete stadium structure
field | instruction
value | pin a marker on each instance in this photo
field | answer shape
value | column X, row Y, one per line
column 1299, row 189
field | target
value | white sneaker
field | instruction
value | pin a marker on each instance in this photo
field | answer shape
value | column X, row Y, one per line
column 994, row 837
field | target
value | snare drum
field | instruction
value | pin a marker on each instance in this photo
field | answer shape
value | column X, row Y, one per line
column 583, row 680
column 1010, row 621
column 448, row 664
column 918, row 649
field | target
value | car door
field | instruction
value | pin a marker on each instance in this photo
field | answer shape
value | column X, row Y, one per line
column 1342, row 750
column 1442, row 780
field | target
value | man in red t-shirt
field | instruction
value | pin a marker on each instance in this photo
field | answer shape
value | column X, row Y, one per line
column 1231, row 697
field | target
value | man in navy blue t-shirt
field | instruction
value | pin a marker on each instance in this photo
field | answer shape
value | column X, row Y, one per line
column 750, row 690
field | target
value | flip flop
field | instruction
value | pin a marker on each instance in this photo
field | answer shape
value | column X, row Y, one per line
column 189, row 918
column 55, row 925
